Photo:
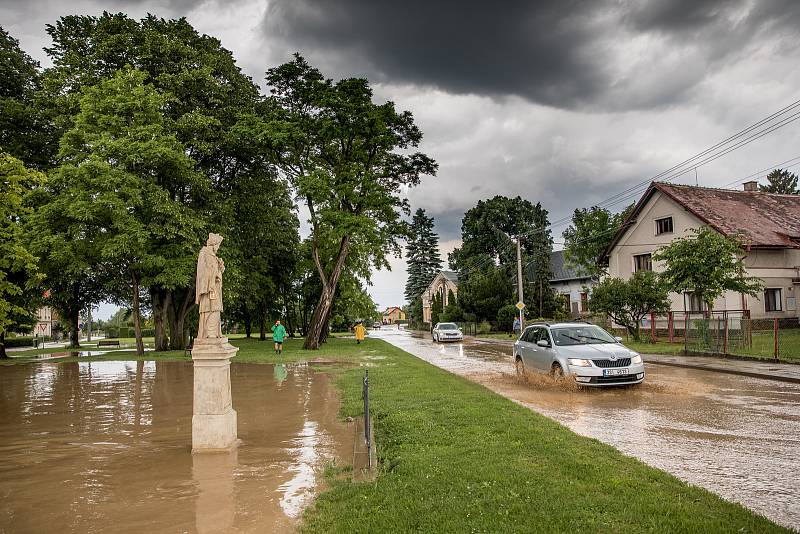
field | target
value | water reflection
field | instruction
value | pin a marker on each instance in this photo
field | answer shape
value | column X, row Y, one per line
column 109, row 443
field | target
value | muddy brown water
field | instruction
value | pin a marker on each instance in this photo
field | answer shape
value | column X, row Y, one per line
column 736, row 436
column 106, row 446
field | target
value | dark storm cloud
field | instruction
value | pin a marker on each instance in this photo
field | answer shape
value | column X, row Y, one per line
column 566, row 54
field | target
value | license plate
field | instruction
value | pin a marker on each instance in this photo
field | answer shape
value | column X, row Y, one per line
column 615, row 372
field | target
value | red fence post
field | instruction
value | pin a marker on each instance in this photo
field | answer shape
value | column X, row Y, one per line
column 775, row 336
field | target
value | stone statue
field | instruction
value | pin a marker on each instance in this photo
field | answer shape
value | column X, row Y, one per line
column 209, row 289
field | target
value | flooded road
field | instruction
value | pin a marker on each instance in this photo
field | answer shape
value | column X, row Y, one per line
column 106, row 446
column 736, row 436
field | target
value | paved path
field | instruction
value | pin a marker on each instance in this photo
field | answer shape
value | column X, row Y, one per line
column 786, row 372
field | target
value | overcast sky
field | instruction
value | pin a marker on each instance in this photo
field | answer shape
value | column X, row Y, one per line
column 561, row 103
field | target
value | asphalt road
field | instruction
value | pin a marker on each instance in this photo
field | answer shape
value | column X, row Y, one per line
column 734, row 435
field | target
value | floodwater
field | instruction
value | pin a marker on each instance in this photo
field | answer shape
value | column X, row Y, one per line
column 106, row 446
column 736, row 436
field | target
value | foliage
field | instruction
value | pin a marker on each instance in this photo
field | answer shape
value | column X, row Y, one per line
column 484, row 327
column 452, row 312
column 422, row 255
column 781, row 181
column 24, row 132
column 205, row 96
column 117, row 159
column 506, row 316
column 19, row 272
column 436, row 308
column 485, row 292
column 628, row 302
column 707, row 264
column 489, row 232
column 349, row 160
column 588, row 237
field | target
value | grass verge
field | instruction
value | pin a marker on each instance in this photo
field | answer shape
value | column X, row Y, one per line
column 455, row 457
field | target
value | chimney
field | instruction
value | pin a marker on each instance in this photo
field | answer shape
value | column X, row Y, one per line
column 751, row 186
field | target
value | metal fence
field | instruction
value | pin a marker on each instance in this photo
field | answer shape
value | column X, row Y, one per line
column 776, row 339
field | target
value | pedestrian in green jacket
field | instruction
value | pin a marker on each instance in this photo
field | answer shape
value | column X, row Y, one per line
column 278, row 333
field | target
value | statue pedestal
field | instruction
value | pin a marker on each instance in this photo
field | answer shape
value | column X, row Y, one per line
column 213, row 419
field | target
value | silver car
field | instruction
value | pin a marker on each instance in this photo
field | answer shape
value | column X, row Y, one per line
column 447, row 332
column 589, row 353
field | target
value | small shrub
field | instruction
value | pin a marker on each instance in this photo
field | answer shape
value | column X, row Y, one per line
column 484, row 327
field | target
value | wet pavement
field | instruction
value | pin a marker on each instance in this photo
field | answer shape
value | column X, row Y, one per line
column 737, row 436
column 106, row 446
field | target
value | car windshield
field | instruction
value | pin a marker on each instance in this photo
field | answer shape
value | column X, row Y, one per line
column 448, row 326
column 581, row 335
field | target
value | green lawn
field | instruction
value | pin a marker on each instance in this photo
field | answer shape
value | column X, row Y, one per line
column 455, row 457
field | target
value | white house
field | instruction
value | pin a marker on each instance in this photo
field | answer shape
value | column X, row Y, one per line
column 768, row 223
column 571, row 285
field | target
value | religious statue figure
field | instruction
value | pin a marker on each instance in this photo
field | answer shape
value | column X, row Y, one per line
column 209, row 289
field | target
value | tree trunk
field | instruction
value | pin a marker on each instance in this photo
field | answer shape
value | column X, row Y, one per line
column 159, row 297
column 322, row 311
column 262, row 323
column 179, row 305
column 289, row 316
column 137, row 317
column 248, row 325
column 323, row 337
column 74, row 337
column 3, row 354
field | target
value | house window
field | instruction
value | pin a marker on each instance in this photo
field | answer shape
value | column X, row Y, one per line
column 584, row 302
column 694, row 303
column 642, row 262
column 772, row 299
column 664, row 226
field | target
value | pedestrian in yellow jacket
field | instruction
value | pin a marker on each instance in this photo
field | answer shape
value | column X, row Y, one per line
column 360, row 333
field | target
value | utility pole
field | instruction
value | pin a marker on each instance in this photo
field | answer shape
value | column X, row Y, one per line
column 520, row 283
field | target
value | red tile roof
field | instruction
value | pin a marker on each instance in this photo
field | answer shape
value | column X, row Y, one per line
column 763, row 220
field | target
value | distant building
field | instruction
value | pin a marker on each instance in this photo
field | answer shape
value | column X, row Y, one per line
column 46, row 321
column 442, row 283
column 768, row 223
column 393, row 314
column 571, row 285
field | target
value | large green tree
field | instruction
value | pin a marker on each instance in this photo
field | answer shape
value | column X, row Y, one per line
column 707, row 264
column 781, row 181
column 489, row 232
column 589, row 235
column 350, row 162
column 627, row 302
column 19, row 274
column 24, row 131
column 117, row 161
column 485, row 292
column 422, row 255
column 205, row 96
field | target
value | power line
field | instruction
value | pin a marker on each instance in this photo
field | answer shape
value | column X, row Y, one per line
column 707, row 156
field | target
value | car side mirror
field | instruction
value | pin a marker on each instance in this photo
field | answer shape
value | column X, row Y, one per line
column 543, row 343
column 619, row 339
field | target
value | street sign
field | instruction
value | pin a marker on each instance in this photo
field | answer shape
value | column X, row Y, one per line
column 520, row 306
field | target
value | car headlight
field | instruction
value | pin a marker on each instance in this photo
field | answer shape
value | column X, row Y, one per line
column 579, row 362
column 637, row 358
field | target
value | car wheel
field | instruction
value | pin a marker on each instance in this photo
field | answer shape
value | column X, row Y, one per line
column 557, row 372
column 520, row 365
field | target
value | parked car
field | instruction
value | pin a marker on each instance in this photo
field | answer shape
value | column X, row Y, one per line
column 586, row 351
column 447, row 332
column 377, row 325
